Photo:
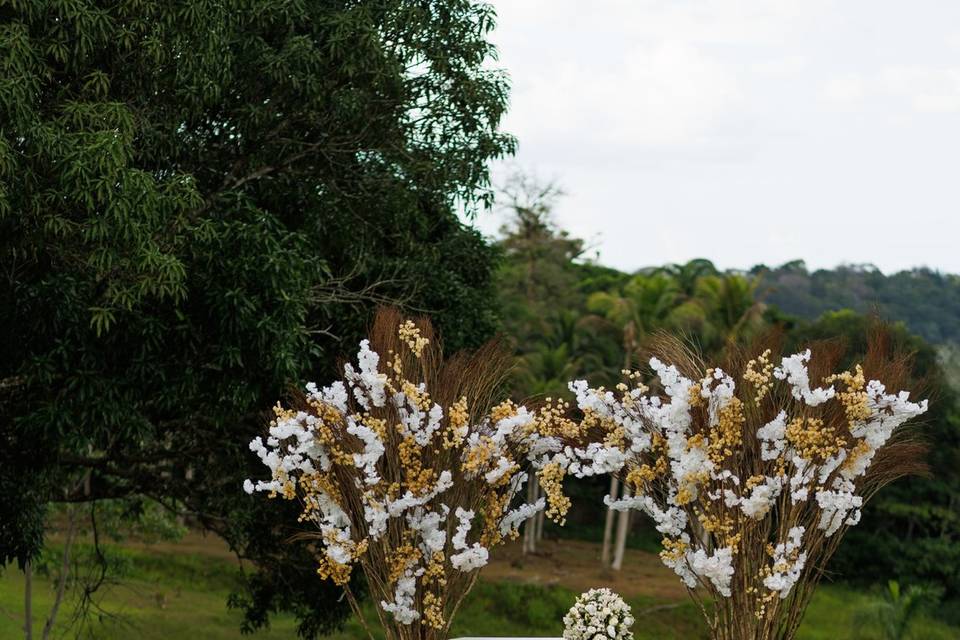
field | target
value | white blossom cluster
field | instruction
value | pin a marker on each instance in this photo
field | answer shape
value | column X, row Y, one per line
column 591, row 460
column 598, row 614
column 788, row 562
column 695, row 477
column 295, row 454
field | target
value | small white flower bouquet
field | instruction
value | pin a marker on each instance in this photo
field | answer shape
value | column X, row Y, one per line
column 598, row 614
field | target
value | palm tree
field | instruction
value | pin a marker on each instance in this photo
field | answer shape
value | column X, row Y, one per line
column 546, row 370
column 730, row 306
column 638, row 309
column 897, row 610
column 686, row 275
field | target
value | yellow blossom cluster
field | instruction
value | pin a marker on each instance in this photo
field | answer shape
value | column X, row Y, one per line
column 720, row 523
column 854, row 397
column 494, row 508
column 416, row 478
column 435, row 575
column 339, row 572
column 458, row 416
column 812, row 439
column 479, row 456
column 759, row 373
column 673, row 550
column 410, row 334
column 433, row 610
column 696, row 395
column 329, row 569
column 640, row 477
column 553, row 419
column 401, row 558
column 727, row 434
column 435, row 570
column 551, row 481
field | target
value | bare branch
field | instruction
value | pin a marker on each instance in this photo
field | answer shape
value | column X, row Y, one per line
column 64, row 571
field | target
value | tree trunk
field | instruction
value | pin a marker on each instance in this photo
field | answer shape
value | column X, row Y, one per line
column 608, row 524
column 623, row 523
column 530, row 526
column 28, row 600
column 64, row 571
column 623, row 527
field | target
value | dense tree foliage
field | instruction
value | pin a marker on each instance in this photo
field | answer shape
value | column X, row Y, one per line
column 543, row 298
column 927, row 301
column 200, row 201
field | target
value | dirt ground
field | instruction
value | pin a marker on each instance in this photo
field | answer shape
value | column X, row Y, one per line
column 576, row 565
column 568, row 563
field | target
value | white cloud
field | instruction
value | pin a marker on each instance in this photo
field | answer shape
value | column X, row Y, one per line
column 927, row 89
column 742, row 130
column 845, row 90
column 667, row 93
column 924, row 89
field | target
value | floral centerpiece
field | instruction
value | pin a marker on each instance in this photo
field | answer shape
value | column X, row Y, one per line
column 598, row 614
column 753, row 472
column 409, row 467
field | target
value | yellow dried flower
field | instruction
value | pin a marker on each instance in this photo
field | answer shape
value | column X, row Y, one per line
column 402, row 557
column 854, row 398
column 551, row 481
column 761, row 380
column 410, row 334
column 727, row 434
column 433, row 610
column 673, row 550
column 812, row 439
column 458, row 419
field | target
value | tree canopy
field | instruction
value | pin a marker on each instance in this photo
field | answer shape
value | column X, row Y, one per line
column 926, row 300
column 200, row 202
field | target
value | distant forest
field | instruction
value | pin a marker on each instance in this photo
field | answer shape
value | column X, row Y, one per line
column 571, row 318
column 927, row 301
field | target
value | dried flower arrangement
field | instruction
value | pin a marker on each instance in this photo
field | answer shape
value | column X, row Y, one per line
column 409, row 467
column 753, row 485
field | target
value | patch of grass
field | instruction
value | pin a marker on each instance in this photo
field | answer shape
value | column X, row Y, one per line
column 833, row 614
column 159, row 595
column 173, row 595
column 515, row 609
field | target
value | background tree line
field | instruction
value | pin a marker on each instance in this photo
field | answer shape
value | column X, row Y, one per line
column 572, row 318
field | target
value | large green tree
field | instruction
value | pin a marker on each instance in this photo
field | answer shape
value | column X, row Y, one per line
column 200, row 201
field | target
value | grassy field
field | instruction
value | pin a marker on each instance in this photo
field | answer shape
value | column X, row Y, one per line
column 180, row 592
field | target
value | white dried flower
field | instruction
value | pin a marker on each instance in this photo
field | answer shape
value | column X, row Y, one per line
column 598, row 614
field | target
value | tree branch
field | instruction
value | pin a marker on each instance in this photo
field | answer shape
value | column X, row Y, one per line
column 62, row 580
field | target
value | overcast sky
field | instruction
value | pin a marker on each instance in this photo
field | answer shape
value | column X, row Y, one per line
column 742, row 131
